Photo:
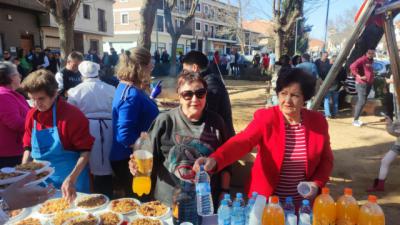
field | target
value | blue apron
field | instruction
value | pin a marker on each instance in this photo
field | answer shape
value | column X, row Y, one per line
column 46, row 145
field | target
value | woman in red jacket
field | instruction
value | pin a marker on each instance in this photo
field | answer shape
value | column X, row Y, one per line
column 292, row 143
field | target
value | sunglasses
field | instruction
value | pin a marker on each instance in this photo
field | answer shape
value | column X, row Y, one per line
column 188, row 95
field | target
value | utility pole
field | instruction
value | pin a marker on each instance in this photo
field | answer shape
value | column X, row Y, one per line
column 326, row 24
column 295, row 37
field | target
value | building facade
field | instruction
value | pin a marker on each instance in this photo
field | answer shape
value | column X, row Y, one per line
column 206, row 32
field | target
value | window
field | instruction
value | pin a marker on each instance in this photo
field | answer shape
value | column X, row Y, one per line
column 198, row 8
column 212, row 31
column 179, row 23
column 206, row 27
column 181, row 5
column 86, row 11
column 124, row 18
column 198, row 26
column 206, row 9
column 101, row 20
column 160, row 23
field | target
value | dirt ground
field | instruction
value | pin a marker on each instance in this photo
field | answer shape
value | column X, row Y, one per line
column 357, row 151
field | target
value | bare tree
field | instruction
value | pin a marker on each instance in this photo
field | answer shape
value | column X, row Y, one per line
column 147, row 16
column 64, row 13
column 340, row 29
column 175, row 32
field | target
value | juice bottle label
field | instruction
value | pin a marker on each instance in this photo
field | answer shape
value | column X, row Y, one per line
column 203, row 188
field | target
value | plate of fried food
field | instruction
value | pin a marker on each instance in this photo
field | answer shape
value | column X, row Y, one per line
column 61, row 217
column 110, row 218
column 154, row 209
column 88, row 219
column 36, row 166
column 42, row 176
column 53, row 206
column 124, row 205
column 145, row 221
column 30, row 221
column 9, row 175
column 17, row 214
column 91, row 202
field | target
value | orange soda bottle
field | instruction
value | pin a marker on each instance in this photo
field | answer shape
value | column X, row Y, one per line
column 324, row 210
column 143, row 157
column 273, row 213
column 347, row 209
column 371, row 213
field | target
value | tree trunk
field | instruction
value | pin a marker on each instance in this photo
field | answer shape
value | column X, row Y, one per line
column 172, row 69
column 66, row 34
column 278, row 44
column 147, row 16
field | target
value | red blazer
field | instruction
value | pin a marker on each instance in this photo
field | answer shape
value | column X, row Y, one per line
column 267, row 132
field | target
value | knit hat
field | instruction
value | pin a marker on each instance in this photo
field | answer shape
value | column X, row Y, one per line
column 89, row 69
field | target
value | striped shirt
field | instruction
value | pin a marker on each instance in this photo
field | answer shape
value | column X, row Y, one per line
column 294, row 163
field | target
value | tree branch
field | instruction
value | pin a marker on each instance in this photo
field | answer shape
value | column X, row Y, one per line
column 74, row 8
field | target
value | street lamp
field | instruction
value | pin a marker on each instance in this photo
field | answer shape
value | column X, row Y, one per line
column 295, row 38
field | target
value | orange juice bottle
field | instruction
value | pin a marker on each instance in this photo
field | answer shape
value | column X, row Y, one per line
column 141, row 185
column 324, row 210
column 143, row 157
column 273, row 213
column 347, row 209
column 371, row 213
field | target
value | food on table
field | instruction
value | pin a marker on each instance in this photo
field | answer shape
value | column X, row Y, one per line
column 29, row 221
column 92, row 201
column 54, row 206
column 124, row 205
column 30, row 166
column 145, row 221
column 155, row 209
column 61, row 217
column 41, row 175
column 4, row 176
column 109, row 218
column 14, row 213
column 83, row 220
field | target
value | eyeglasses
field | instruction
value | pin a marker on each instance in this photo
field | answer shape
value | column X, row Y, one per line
column 188, row 95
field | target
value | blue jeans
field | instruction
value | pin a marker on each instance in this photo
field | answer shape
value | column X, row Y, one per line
column 335, row 98
column 362, row 94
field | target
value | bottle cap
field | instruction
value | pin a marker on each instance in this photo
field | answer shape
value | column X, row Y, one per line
column 289, row 200
column 252, row 201
column 274, row 199
column 372, row 198
column 325, row 190
column 227, row 196
column 224, row 202
column 348, row 191
column 239, row 195
column 306, row 202
column 254, row 194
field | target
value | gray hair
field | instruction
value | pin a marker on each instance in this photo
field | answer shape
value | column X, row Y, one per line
column 7, row 70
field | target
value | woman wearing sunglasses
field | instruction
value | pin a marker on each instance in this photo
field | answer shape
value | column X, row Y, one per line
column 182, row 135
column 292, row 143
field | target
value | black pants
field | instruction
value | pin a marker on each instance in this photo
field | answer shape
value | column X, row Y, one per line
column 103, row 185
column 10, row 161
column 122, row 176
column 389, row 105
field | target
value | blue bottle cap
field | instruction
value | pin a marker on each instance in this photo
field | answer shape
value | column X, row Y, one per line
column 201, row 167
column 252, row 201
column 289, row 199
column 306, row 202
column 239, row 195
column 224, row 202
column 227, row 196
column 254, row 194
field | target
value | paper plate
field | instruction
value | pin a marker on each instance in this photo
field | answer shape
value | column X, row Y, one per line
column 10, row 180
column 120, row 217
column 23, row 213
column 27, row 222
column 23, row 168
column 51, row 202
column 49, row 170
column 146, row 218
column 163, row 216
column 110, row 206
column 84, row 197
column 79, row 213
column 70, row 221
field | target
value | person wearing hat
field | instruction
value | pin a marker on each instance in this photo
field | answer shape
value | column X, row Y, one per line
column 94, row 98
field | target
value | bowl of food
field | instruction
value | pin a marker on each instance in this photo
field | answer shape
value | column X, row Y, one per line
column 53, row 206
column 17, row 214
column 124, row 205
column 154, row 209
column 42, row 176
column 61, row 217
column 145, row 221
column 91, row 202
column 33, row 166
column 110, row 218
column 88, row 219
column 30, row 221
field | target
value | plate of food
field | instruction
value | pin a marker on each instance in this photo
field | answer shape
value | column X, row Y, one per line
column 110, row 218
column 53, row 206
column 17, row 214
column 91, row 202
column 9, row 175
column 154, row 209
column 61, row 217
column 124, row 205
column 88, row 219
column 33, row 166
column 30, row 221
column 145, row 221
column 42, row 176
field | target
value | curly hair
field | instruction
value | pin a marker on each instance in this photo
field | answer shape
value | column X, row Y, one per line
column 40, row 80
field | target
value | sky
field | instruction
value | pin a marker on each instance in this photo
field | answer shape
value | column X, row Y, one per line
column 315, row 16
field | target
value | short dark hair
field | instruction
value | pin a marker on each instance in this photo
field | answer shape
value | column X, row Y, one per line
column 196, row 57
column 75, row 55
column 290, row 76
column 189, row 77
column 306, row 56
column 7, row 69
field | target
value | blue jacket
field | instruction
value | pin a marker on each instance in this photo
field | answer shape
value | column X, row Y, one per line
column 132, row 112
column 309, row 67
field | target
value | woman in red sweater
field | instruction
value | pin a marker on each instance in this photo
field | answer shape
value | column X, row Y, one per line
column 292, row 143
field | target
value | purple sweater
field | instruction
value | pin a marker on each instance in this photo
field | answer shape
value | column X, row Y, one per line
column 13, row 110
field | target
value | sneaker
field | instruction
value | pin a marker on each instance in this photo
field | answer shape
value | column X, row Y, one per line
column 357, row 123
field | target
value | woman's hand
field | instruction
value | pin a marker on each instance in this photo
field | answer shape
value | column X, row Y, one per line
column 17, row 196
column 132, row 165
column 68, row 189
column 209, row 164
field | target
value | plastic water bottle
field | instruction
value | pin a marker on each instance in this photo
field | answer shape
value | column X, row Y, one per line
column 254, row 195
column 305, row 213
column 184, row 204
column 239, row 198
column 203, row 192
column 256, row 213
column 227, row 197
column 249, row 207
column 289, row 207
column 238, row 217
column 224, row 213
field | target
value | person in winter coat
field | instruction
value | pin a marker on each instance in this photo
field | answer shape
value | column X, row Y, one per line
column 94, row 98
